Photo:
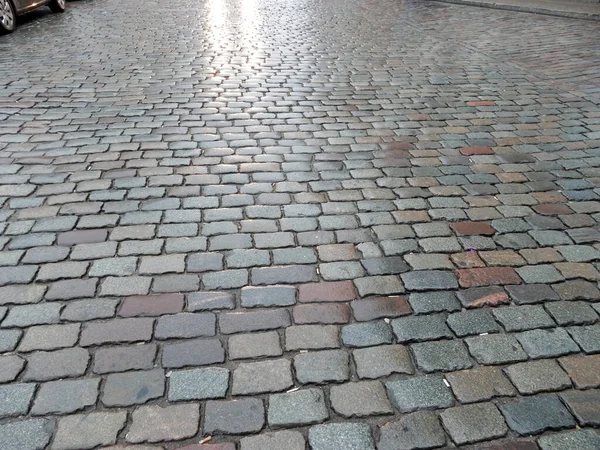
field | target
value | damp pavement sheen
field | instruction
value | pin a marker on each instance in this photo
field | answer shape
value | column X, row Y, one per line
column 299, row 225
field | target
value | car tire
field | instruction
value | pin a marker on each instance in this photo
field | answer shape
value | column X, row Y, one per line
column 8, row 17
column 57, row 6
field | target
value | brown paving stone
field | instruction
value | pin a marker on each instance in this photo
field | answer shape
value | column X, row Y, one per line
column 335, row 291
column 512, row 445
column 541, row 255
column 481, row 383
column 411, row 216
column 551, row 209
column 380, row 307
column 578, row 270
column 322, row 313
column 468, row 151
column 502, row 258
column 583, row 370
column 549, row 197
column 486, row 276
column 483, row 296
column 472, row 228
column 152, row 305
column 467, row 260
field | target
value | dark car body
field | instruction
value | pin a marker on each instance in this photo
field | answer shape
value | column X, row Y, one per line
column 10, row 9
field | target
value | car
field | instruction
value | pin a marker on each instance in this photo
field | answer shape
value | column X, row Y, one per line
column 10, row 9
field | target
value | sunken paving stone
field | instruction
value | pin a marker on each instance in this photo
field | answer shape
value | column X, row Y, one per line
column 382, row 361
column 241, row 416
column 421, row 392
column 473, row 423
column 263, row 376
column 534, row 415
column 154, row 423
column 421, row 429
column 335, row 436
column 151, row 305
column 428, row 302
column 237, row 322
column 303, row 407
column 86, row 431
column 363, row 398
column 290, row 440
column 519, row 318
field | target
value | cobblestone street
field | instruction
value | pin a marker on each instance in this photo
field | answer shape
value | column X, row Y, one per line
column 300, row 224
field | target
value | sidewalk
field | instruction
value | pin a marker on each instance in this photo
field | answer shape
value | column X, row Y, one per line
column 574, row 9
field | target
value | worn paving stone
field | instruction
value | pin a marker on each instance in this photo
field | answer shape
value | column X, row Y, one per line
column 27, row 315
column 480, row 297
column 443, row 356
column 304, row 337
column 428, row 302
column 424, row 392
column 587, row 337
column 538, row 376
column 519, row 318
column 421, row 328
column 421, row 429
column 10, row 367
column 9, row 340
column 382, row 361
column 429, row 280
column 547, row 343
column 572, row 313
column 268, row 296
column 63, row 397
column 583, row 370
column 473, row 423
column 480, row 383
column 84, row 431
column 193, row 352
column 237, row 322
column 49, row 337
column 117, row 331
column 380, row 307
column 234, row 416
column 534, row 415
column 355, row 436
column 208, row 301
column 185, row 325
column 130, row 388
column 584, row 405
column 359, row 399
column 472, row 322
column 28, row 434
column 43, row 366
column 496, row 349
column 151, row 305
column 531, row 293
column 15, row 399
column 124, row 358
column 322, row 366
column 154, row 423
column 292, row 440
column 263, row 376
column 303, row 407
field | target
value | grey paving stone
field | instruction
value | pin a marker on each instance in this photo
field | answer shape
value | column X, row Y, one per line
column 421, row 429
column 65, row 396
column 86, row 431
column 390, row 265
column 531, row 293
column 570, row 440
column 572, row 313
column 185, row 325
column 10, row 367
column 21, row 294
column 579, row 253
column 480, row 383
column 205, row 262
column 421, row 328
column 131, row 388
column 198, row 384
column 251, row 258
column 473, row 423
column 428, row 302
column 119, row 266
column 123, row 286
column 382, row 361
column 28, row 315
column 290, row 440
column 15, row 399
column 366, row 334
column 421, row 392
column 343, row 270
column 322, row 366
column 587, row 337
column 154, row 423
column 519, row 318
column 379, row 285
column 314, row 337
column 234, row 416
column 541, row 273
column 584, row 405
column 252, row 296
column 496, row 349
column 253, row 345
column 84, row 310
column 9, row 340
column 43, row 366
column 534, row 415
column 137, row 329
column 49, row 337
column 471, row 322
column 262, row 376
column 123, row 358
column 360, row 399
column 547, row 343
column 226, row 279
column 425, row 280
column 74, row 289
column 304, row 407
column 538, row 376
column 193, row 352
column 208, row 301
column 29, row 434
column 443, row 356
column 335, row 436
column 237, row 322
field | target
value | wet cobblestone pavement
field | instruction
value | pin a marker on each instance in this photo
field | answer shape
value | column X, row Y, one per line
column 288, row 225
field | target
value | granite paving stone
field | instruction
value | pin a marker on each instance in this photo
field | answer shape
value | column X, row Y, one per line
column 15, row 399
column 303, row 407
column 359, row 399
column 234, row 416
column 473, row 423
column 538, row 376
column 263, row 376
column 130, row 388
column 350, row 435
column 291, row 440
column 547, row 343
column 154, row 423
column 480, row 383
column 534, row 415
column 422, row 392
column 63, row 397
column 322, row 366
column 441, row 356
column 570, row 439
column 421, row 429
column 28, row 434
column 86, row 431
column 382, row 361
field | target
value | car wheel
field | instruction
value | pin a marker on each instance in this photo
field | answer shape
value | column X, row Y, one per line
column 57, row 6
column 8, row 18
